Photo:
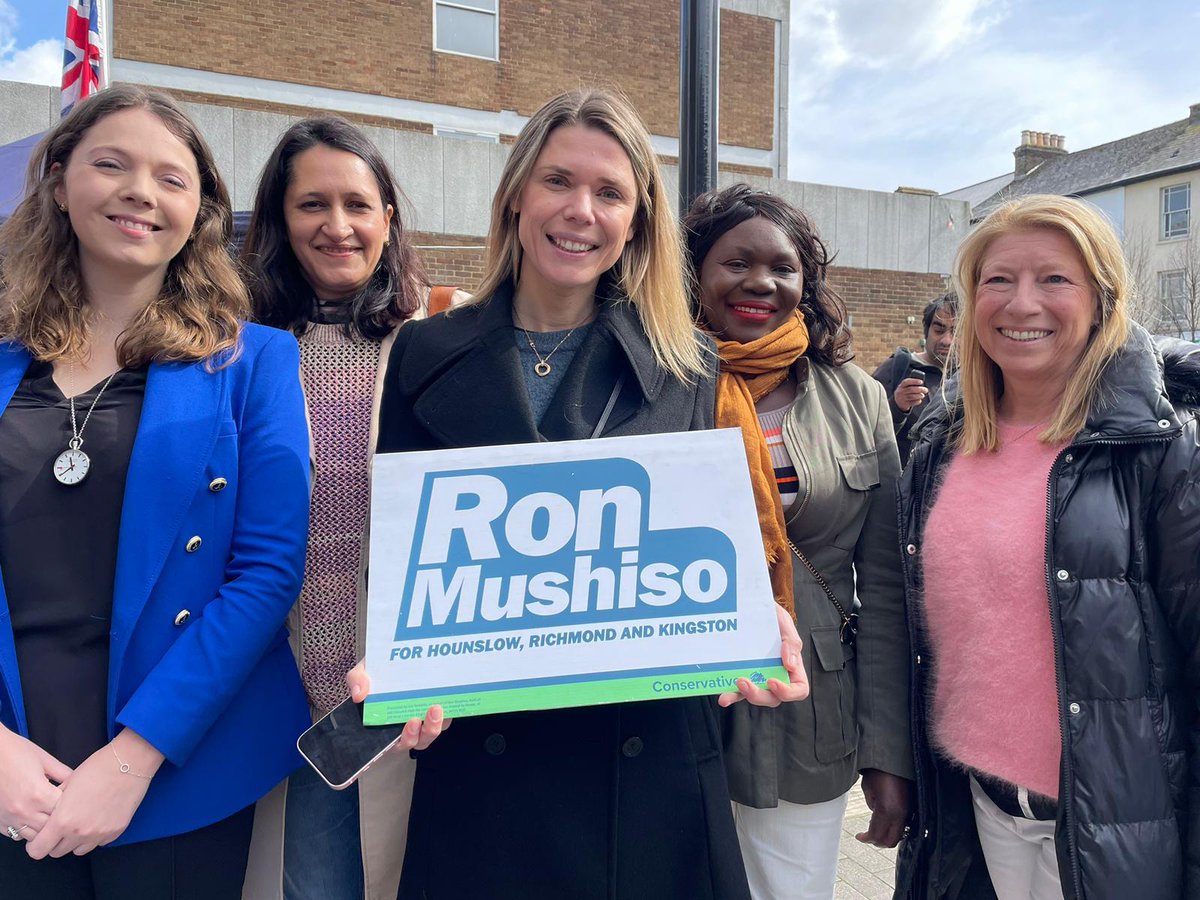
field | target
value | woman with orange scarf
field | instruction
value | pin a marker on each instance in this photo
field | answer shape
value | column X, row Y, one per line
column 823, row 464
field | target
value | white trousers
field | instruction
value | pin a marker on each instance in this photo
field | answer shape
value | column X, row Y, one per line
column 791, row 852
column 1019, row 852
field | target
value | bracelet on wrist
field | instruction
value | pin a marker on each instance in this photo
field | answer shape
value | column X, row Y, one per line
column 124, row 768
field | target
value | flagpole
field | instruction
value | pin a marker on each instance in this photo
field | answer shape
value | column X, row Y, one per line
column 105, row 40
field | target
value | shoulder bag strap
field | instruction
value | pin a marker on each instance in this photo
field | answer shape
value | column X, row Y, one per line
column 439, row 298
column 608, row 408
column 849, row 623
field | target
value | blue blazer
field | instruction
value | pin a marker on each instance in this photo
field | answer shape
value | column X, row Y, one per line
column 199, row 662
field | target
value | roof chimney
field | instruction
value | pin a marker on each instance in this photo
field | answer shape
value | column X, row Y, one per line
column 1194, row 114
column 1039, row 146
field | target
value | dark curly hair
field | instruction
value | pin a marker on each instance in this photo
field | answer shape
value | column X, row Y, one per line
column 282, row 296
column 716, row 212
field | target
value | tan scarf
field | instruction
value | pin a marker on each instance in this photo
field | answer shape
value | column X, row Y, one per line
column 748, row 373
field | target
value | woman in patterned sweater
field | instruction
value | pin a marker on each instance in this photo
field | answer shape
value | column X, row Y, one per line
column 327, row 257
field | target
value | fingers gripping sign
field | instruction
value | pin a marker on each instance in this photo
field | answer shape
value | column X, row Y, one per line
column 776, row 691
column 418, row 733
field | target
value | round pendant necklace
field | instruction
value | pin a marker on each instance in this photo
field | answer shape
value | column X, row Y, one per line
column 542, row 367
column 72, row 465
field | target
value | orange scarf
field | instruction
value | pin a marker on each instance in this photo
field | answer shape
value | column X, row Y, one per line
column 748, row 373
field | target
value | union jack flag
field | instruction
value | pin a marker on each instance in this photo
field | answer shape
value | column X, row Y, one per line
column 83, row 59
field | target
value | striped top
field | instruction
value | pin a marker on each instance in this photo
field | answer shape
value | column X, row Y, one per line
column 786, row 480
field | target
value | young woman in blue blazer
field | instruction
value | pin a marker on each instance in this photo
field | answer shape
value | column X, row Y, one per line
column 153, row 511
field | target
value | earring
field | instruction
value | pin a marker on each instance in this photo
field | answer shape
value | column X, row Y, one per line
column 62, row 207
column 387, row 241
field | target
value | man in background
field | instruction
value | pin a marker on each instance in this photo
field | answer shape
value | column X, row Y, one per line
column 910, row 378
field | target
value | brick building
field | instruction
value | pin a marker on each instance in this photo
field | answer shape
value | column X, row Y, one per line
column 462, row 68
column 442, row 86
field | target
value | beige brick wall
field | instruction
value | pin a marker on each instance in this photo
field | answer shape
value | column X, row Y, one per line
column 385, row 47
column 880, row 303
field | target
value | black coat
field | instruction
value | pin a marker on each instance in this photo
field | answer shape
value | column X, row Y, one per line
column 622, row 801
column 1123, row 575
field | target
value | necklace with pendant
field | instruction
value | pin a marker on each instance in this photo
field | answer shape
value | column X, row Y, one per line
column 542, row 367
column 72, row 465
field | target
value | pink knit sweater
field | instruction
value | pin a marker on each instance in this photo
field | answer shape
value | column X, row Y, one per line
column 987, row 613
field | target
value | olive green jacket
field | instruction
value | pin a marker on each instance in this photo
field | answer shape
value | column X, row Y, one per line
column 840, row 438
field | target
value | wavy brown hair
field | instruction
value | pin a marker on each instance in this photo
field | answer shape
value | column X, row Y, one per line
column 43, row 302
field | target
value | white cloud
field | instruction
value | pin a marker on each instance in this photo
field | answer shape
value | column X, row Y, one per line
column 832, row 35
column 39, row 63
column 935, row 93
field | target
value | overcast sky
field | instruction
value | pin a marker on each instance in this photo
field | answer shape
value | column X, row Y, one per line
column 925, row 93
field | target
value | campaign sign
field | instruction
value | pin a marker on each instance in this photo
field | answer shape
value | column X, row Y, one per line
column 545, row 575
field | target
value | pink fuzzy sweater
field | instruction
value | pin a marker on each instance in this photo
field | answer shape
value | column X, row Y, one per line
column 987, row 613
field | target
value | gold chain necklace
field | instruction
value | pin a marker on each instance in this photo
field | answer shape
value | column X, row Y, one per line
column 542, row 367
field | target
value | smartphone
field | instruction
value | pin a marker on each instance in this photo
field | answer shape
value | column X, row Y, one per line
column 340, row 747
column 916, row 373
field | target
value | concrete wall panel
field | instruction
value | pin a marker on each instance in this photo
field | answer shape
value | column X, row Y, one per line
column 466, row 179
column 419, row 169
column 26, row 109
column 913, row 228
column 949, row 222
column 216, row 124
column 883, row 231
column 820, row 202
column 853, row 212
column 254, row 137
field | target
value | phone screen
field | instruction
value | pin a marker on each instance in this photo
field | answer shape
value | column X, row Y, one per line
column 339, row 746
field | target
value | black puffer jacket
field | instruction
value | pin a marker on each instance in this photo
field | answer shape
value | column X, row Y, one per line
column 1123, row 574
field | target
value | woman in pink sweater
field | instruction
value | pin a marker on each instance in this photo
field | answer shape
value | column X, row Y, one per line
column 1050, row 518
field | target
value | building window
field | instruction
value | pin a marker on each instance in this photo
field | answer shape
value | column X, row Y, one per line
column 1176, row 210
column 1172, row 293
column 460, row 135
column 467, row 27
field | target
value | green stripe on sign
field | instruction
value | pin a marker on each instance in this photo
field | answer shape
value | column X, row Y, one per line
column 585, row 693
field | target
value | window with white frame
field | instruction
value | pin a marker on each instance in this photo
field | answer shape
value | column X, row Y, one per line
column 467, row 27
column 1172, row 293
column 1176, row 211
column 460, row 135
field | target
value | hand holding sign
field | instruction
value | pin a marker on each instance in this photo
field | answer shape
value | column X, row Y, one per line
column 418, row 733
column 777, row 692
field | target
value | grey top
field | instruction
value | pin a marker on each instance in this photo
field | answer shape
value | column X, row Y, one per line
column 541, row 388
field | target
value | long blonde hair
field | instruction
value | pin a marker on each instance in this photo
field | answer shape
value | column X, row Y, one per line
column 42, row 299
column 980, row 378
column 651, row 270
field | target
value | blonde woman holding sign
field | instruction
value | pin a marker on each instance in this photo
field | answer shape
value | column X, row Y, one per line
column 580, row 329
